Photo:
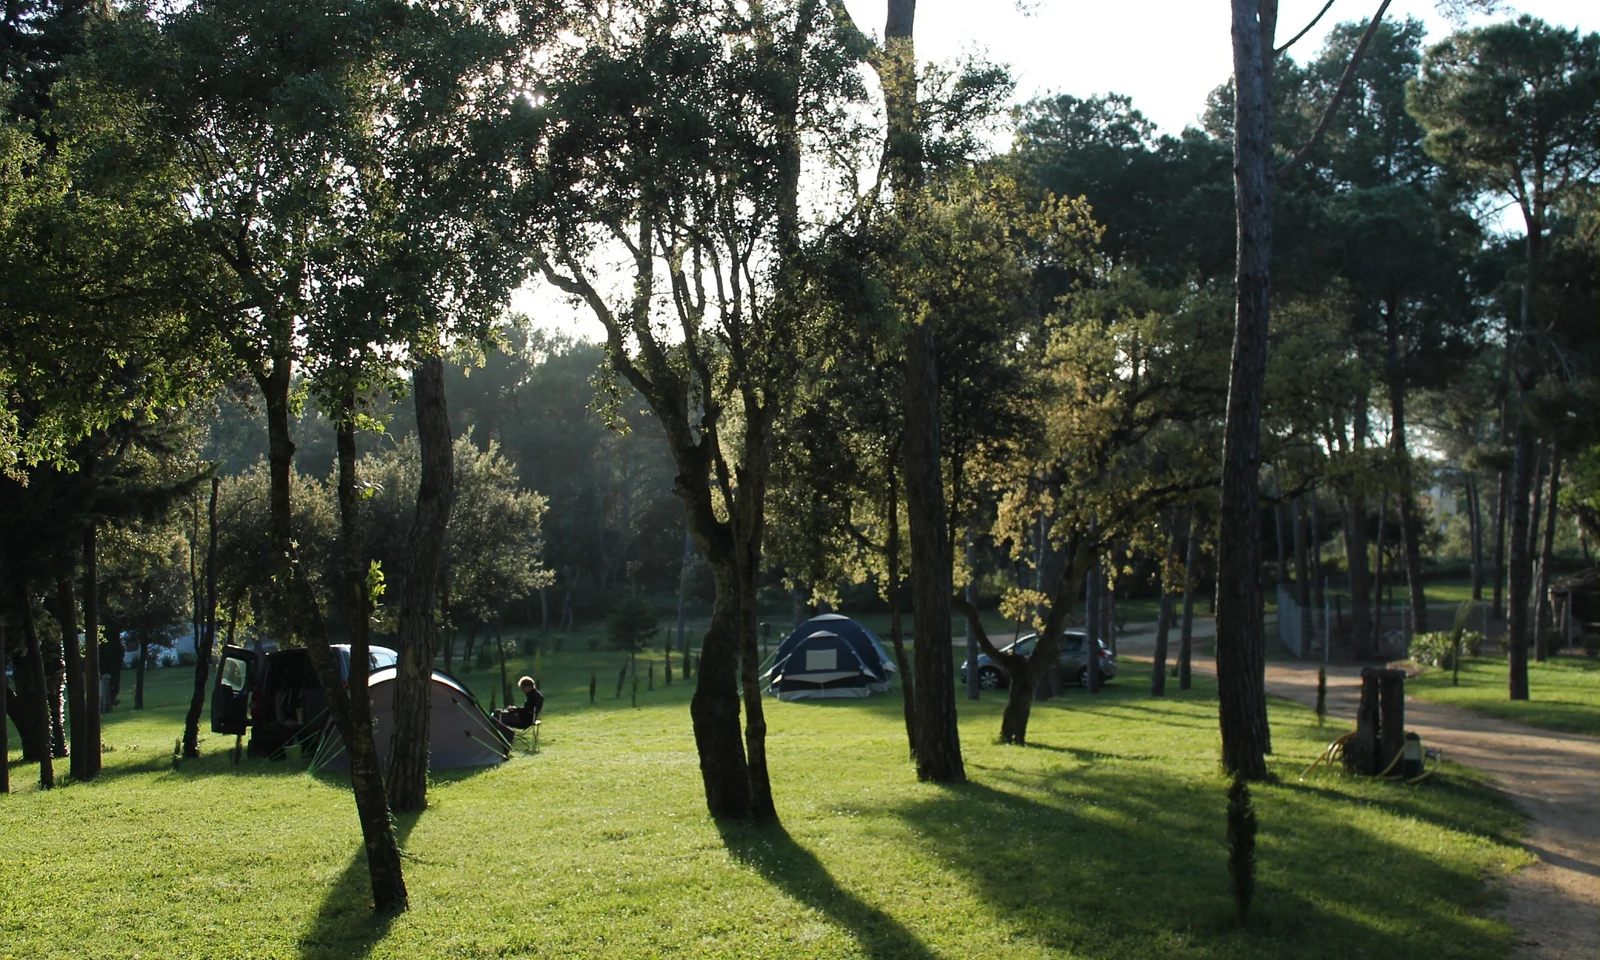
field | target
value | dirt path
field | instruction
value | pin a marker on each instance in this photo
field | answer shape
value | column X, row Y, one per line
column 1553, row 905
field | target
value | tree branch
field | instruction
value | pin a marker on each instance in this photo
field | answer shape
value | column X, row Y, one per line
column 1314, row 21
column 1338, row 94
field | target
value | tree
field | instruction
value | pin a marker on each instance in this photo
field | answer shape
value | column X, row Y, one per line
column 1127, row 435
column 1514, row 110
column 675, row 137
column 1240, row 642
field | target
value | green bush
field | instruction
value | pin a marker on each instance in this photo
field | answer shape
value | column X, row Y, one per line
column 1437, row 649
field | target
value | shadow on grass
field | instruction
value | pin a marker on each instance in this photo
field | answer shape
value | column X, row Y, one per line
column 346, row 927
column 770, row 851
column 1113, row 861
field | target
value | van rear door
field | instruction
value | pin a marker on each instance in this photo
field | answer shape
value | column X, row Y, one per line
column 230, row 698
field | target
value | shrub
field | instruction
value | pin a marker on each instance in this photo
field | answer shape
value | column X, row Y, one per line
column 1436, row 649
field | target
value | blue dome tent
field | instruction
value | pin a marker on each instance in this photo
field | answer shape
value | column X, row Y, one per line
column 829, row 656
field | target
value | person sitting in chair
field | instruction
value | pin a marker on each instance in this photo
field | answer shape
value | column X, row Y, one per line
column 525, row 716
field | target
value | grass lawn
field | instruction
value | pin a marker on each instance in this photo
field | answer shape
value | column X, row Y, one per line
column 1106, row 839
column 1565, row 692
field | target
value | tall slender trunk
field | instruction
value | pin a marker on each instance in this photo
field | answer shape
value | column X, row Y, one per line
column 1302, row 572
column 89, row 765
column 937, row 742
column 66, row 605
column 1520, row 562
column 762, row 803
column 408, row 754
column 1094, row 597
column 1242, row 705
column 1410, row 526
column 1355, row 553
column 683, row 590
column 1541, row 593
column 34, row 665
column 971, row 641
column 1158, row 664
column 1278, row 510
column 1475, row 532
column 1536, row 510
column 1318, row 584
column 208, row 636
column 1378, row 575
column 896, row 627
column 140, row 667
column 1191, row 556
column 302, row 617
column 55, row 665
column 1502, row 499
column 5, row 727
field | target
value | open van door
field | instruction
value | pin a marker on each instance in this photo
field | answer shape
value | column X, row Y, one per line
column 230, row 698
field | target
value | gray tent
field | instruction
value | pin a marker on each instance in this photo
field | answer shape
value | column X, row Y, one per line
column 461, row 734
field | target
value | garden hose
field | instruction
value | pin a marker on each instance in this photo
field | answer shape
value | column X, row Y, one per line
column 1332, row 750
column 1390, row 768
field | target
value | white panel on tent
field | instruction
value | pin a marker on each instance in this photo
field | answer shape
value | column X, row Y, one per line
column 822, row 660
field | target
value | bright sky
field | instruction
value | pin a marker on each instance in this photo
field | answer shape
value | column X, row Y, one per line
column 1165, row 54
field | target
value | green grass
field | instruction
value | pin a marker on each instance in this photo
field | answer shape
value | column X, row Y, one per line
column 1450, row 591
column 1564, row 692
column 1103, row 840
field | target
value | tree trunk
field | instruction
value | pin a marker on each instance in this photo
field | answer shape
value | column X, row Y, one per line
column 140, row 666
column 67, row 616
column 1377, row 580
column 1094, row 598
column 896, row 628
column 89, row 764
column 408, row 756
column 1240, row 644
column 755, row 719
column 40, row 721
column 1501, row 501
column 1186, row 632
column 1355, row 553
column 972, row 642
column 937, row 744
column 937, row 741
column 208, row 637
column 1520, row 562
column 683, row 590
column 1475, row 531
column 5, row 727
column 1302, row 572
column 1536, row 510
column 1541, row 593
column 1410, row 526
column 301, row 616
column 714, row 708
column 1318, row 586
column 1158, row 665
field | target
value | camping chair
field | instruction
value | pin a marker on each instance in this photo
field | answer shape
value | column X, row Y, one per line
column 528, row 737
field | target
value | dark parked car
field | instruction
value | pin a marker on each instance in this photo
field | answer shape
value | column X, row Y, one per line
column 1073, row 664
column 277, row 694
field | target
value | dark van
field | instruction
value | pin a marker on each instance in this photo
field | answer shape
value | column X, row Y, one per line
column 276, row 694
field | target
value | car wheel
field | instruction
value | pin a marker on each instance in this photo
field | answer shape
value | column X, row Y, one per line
column 1083, row 677
column 989, row 678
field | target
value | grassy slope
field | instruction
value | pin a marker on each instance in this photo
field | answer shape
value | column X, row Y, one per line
column 1565, row 692
column 1104, row 840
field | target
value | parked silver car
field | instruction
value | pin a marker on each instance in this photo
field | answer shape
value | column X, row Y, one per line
column 1073, row 664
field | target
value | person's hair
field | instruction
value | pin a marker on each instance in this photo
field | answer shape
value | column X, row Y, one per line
column 527, row 682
